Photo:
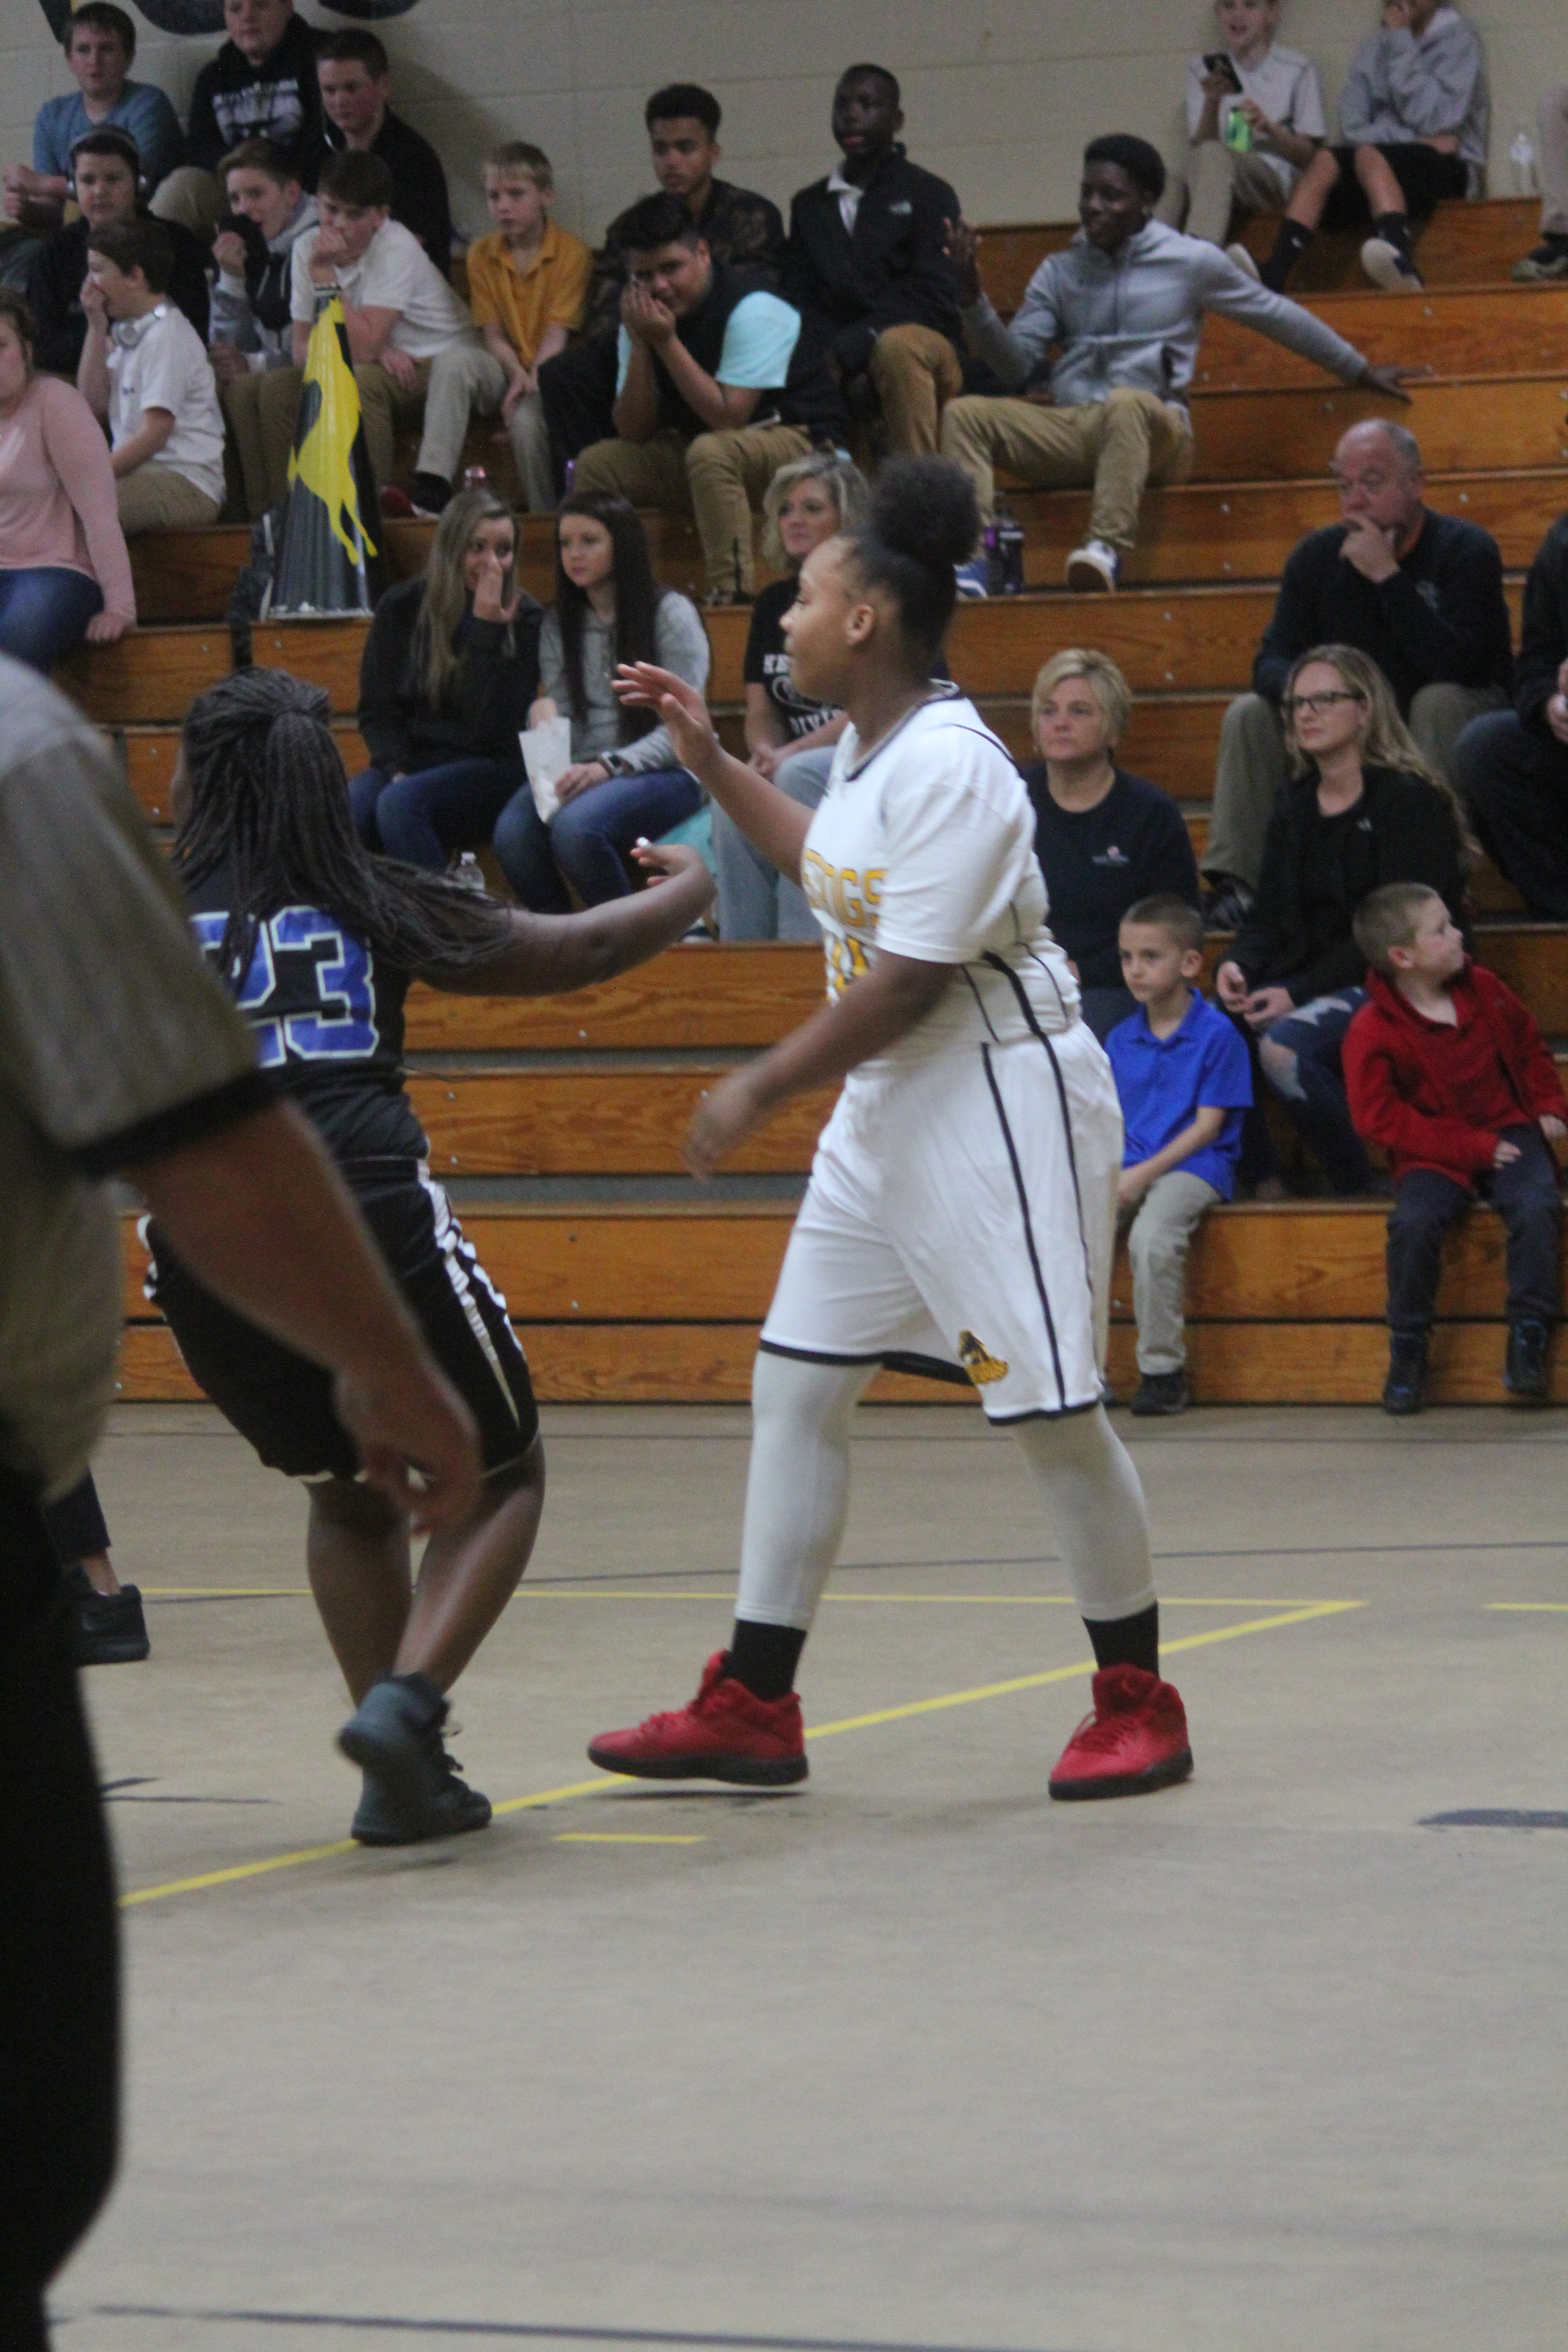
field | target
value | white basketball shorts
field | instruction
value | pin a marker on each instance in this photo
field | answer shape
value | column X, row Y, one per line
column 963, row 1212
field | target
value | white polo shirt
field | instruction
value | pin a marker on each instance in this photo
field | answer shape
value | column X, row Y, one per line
column 393, row 273
column 161, row 361
column 1285, row 84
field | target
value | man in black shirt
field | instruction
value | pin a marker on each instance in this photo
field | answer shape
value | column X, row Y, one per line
column 577, row 387
column 1420, row 594
column 104, row 168
column 356, row 90
column 867, row 264
column 260, row 85
column 717, row 387
column 1513, row 765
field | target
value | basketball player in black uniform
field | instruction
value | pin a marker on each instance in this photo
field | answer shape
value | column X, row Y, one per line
column 318, row 941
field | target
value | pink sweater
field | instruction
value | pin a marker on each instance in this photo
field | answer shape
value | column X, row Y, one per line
column 57, row 504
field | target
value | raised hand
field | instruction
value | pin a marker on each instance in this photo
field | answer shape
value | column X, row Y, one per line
column 1370, row 548
column 661, row 861
column 489, row 602
column 964, row 252
column 648, row 687
column 228, row 252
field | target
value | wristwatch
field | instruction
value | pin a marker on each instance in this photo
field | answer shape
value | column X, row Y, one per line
column 616, row 765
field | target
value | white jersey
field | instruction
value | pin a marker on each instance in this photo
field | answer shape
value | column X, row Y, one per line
column 925, row 848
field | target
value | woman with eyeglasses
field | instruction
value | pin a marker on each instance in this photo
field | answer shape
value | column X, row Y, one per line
column 1361, row 808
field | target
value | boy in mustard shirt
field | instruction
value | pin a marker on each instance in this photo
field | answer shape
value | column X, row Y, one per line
column 528, row 285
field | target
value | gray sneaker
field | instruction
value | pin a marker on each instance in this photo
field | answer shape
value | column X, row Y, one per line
column 412, row 1786
column 1160, row 1394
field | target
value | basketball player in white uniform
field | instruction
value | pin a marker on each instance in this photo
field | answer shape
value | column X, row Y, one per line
column 961, row 1214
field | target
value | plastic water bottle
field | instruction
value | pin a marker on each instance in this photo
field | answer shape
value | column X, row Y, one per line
column 1521, row 155
column 1004, row 554
column 1237, row 132
column 475, row 479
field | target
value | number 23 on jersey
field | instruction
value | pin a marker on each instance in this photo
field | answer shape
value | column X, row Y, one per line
column 335, row 1015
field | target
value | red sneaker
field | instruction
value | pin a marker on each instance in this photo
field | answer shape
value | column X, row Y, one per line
column 397, row 503
column 726, row 1733
column 1135, row 1739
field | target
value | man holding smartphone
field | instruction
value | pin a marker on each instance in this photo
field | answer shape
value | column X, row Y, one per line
column 1255, row 120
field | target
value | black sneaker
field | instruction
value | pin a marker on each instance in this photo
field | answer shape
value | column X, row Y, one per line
column 110, row 1630
column 1524, row 1374
column 1405, row 1389
column 1160, row 1394
column 395, row 1739
column 1546, row 264
column 1227, row 906
column 430, row 494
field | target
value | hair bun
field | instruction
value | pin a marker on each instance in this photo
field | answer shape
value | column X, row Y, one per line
column 925, row 508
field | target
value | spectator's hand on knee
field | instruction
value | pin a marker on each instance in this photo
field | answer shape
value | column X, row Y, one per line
column 581, row 777
column 1230, row 984
column 227, row 363
column 1266, row 1006
column 1506, row 1153
column 764, row 757
column 523, row 384
column 399, row 367
column 1553, row 1128
column 107, row 628
column 1131, row 1185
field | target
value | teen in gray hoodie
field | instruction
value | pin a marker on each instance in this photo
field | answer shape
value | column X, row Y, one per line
column 250, row 331
column 1123, row 305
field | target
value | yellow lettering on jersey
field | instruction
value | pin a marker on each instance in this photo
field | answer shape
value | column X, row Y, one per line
column 844, row 896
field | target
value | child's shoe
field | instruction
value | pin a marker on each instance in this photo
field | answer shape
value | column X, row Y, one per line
column 1524, row 1373
column 1405, row 1391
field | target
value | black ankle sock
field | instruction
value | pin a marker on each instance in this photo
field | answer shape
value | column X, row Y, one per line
column 1128, row 1641
column 764, row 1657
column 1395, row 229
column 1289, row 246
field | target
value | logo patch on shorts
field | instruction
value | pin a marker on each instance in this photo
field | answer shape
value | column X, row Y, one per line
column 977, row 1361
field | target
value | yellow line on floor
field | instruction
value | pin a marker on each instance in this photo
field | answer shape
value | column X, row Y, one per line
column 1547, row 1608
column 623, row 1837
column 224, row 1591
column 242, row 1870
column 943, row 1599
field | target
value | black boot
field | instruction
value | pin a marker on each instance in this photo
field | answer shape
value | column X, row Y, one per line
column 1405, row 1391
column 1524, row 1374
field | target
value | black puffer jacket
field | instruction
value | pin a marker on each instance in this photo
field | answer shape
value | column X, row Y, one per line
column 485, row 707
column 1402, row 829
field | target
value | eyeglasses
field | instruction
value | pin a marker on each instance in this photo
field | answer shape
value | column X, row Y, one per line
column 1296, row 703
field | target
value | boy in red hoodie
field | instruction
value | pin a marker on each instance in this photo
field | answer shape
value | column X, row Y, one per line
column 1444, row 1067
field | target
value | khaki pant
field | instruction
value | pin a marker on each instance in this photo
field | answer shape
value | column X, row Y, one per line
column 193, row 198
column 242, row 408
column 719, row 478
column 916, row 371
column 1158, row 1238
column 1252, row 768
column 384, row 406
column 1117, row 444
column 154, row 497
column 467, row 381
column 1215, row 183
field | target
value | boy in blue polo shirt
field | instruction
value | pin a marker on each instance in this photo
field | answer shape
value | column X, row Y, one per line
column 1185, row 1085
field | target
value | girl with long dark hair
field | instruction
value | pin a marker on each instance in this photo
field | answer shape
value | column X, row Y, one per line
column 625, row 781
column 318, row 941
column 449, row 668
column 961, row 1207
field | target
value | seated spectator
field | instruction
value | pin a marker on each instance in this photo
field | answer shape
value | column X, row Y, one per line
column 528, row 282
column 867, row 265
column 64, row 570
column 1184, row 1085
column 105, row 176
column 99, row 43
column 356, row 101
column 1104, row 838
column 1512, row 767
column 144, row 371
column 716, row 389
column 1413, row 118
column 789, row 739
column 1420, row 595
column 577, row 388
column 1122, row 307
column 624, row 782
column 449, row 670
column 1549, row 259
column 1445, row 1069
column 1362, row 809
column 260, row 85
column 269, row 212
column 1254, row 121
column 399, row 310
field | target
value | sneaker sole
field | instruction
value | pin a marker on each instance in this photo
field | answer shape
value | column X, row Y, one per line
column 1087, row 580
column 1123, row 1784
column 420, row 1837
column 114, row 1654
column 744, row 1771
column 1157, row 1412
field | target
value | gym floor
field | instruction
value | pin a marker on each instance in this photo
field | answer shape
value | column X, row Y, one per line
column 911, row 2056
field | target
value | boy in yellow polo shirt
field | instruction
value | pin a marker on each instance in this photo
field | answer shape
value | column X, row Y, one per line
column 528, row 285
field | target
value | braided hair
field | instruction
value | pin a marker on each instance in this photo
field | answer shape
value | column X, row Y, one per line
column 269, row 799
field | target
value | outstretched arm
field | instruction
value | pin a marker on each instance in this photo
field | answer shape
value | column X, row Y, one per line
column 769, row 820
column 549, row 955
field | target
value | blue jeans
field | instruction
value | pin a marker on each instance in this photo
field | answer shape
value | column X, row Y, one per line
column 587, row 844
column 755, row 900
column 1300, row 1057
column 1528, row 1197
column 423, row 818
column 44, row 612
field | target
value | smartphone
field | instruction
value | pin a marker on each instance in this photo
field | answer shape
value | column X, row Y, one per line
column 1224, row 64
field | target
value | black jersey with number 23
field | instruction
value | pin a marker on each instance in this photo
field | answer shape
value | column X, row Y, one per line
column 327, row 1017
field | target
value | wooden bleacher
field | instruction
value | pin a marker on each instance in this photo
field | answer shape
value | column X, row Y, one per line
column 563, row 1103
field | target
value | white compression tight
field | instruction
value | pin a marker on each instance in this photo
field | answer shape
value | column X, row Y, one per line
column 797, row 1496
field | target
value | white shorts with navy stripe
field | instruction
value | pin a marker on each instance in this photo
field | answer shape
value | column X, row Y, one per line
column 962, row 1213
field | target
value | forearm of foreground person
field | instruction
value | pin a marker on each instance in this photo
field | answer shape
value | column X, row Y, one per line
column 260, row 1215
